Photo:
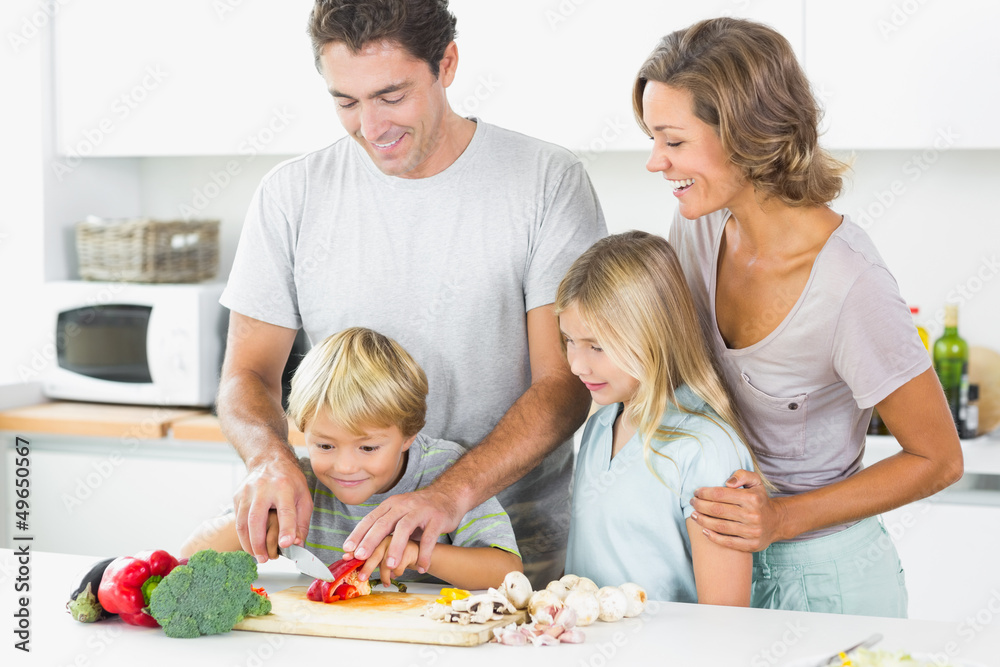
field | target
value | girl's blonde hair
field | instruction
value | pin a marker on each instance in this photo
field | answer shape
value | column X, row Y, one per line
column 747, row 84
column 362, row 379
column 630, row 291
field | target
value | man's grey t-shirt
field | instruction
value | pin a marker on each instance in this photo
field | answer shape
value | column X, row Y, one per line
column 332, row 520
column 806, row 390
column 447, row 265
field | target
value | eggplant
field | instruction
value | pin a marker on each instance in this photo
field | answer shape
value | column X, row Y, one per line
column 83, row 604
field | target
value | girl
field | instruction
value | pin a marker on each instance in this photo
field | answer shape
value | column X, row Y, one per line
column 804, row 317
column 667, row 428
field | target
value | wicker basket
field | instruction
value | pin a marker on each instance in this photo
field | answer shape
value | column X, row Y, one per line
column 148, row 251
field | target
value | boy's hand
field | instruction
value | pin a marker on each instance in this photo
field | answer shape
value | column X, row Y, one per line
column 273, row 531
column 380, row 555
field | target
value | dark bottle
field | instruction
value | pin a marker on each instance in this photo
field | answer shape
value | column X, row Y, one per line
column 972, row 413
column 951, row 362
column 876, row 426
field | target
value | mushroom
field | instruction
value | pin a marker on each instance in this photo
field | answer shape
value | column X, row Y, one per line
column 491, row 605
column 558, row 588
column 635, row 597
column 613, row 604
column 517, row 589
column 568, row 580
column 585, row 604
column 584, row 584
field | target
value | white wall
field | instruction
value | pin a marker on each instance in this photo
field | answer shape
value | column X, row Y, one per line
column 934, row 227
column 929, row 214
column 21, row 175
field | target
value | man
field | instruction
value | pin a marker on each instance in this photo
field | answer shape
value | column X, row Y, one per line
column 449, row 235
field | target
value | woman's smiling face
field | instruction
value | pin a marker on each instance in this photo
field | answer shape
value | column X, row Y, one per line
column 689, row 153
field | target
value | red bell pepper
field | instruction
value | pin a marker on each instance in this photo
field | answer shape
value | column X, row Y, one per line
column 128, row 582
column 331, row 591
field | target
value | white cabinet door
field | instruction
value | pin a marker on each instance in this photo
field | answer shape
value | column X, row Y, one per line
column 905, row 73
column 188, row 77
column 229, row 77
column 102, row 498
column 562, row 70
column 948, row 552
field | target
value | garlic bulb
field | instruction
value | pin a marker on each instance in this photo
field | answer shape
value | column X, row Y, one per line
column 543, row 606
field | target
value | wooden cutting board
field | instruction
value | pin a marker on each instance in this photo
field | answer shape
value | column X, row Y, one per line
column 394, row 617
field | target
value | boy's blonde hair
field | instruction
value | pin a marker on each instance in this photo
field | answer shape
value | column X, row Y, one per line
column 362, row 379
column 630, row 290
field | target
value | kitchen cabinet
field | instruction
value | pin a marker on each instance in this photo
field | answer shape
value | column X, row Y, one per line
column 106, row 496
column 905, row 74
column 563, row 70
column 187, row 78
column 237, row 78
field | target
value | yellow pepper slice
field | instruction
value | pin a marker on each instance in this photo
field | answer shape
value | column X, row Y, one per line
column 449, row 594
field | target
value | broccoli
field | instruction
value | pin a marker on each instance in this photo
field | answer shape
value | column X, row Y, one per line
column 209, row 595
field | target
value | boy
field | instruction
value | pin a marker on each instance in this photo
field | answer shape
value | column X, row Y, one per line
column 360, row 399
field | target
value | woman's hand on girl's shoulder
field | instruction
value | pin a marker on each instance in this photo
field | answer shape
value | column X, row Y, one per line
column 740, row 515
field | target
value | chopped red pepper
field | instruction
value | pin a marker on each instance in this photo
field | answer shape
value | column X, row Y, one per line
column 331, row 591
column 128, row 582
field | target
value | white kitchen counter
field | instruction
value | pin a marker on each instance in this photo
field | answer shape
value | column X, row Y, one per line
column 667, row 633
column 982, row 454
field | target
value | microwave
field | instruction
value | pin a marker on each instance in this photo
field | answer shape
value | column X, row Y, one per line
column 147, row 344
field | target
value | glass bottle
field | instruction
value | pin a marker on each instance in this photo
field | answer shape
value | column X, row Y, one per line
column 951, row 363
column 876, row 426
column 972, row 413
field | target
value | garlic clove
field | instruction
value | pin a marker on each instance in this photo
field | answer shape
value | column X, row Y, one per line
column 572, row 636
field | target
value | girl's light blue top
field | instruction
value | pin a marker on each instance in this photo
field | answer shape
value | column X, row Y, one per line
column 626, row 524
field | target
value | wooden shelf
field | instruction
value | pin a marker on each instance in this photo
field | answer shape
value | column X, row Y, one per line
column 144, row 422
column 206, row 428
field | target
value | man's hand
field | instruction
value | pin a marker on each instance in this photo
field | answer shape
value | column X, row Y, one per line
column 378, row 560
column 277, row 484
column 428, row 510
column 739, row 515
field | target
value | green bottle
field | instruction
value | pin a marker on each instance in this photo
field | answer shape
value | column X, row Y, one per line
column 951, row 363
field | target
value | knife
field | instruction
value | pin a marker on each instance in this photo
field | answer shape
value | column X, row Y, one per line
column 306, row 562
column 867, row 643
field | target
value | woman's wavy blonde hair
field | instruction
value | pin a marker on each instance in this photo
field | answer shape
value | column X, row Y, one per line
column 630, row 291
column 747, row 84
column 362, row 379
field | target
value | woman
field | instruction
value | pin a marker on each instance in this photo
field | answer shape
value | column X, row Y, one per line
column 804, row 317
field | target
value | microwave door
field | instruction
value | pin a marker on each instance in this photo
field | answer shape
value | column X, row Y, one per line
column 105, row 342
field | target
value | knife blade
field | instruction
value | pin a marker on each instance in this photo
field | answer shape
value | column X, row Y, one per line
column 306, row 562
